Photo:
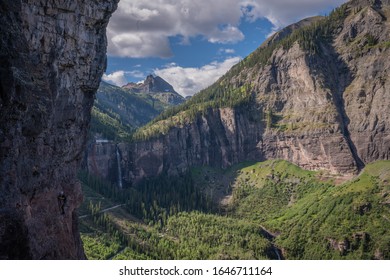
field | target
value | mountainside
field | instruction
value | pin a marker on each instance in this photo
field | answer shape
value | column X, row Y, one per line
column 315, row 94
column 266, row 210
column 158, row 88
column 310, row 216
column 289, row 29
column 318, row 97
column 117, row 112
column 52, row 57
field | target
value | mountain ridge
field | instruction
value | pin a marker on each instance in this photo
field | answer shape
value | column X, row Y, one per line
column 317, row 97
column 158, row 88
column 296, row 99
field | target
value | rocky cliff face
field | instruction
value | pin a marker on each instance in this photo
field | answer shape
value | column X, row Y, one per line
column 101, row 160
column 151, row 85
column 158, row 88
column 52, row 55
column 221, row 137
column 324, row 106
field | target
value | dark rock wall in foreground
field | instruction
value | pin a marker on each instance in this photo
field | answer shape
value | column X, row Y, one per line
column 52, row 56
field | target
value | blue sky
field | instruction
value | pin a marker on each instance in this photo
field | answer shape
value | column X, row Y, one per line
column 192, row 43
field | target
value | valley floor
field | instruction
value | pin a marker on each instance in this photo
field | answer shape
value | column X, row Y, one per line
column 266, row 210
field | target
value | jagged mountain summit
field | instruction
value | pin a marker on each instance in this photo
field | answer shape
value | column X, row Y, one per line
column 316, row 95
column 151, row 85
column 118, row 111
column 157, row 87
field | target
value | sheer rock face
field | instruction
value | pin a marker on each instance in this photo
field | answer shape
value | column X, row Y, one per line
column 330, row 110
column 221, row 137
column 101, row 160
column 52, row 56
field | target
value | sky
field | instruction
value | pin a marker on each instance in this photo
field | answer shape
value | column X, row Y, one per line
column 191, row 43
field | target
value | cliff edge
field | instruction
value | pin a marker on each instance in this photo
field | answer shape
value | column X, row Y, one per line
column 52, row 56
column 315, row 95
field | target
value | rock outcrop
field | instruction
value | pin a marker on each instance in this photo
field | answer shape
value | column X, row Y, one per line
column 101, row 160
column 323, row 106
column 52, row 56
column 158, row 88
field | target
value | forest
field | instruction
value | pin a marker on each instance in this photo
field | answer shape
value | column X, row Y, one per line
column 252, row 210
column 163, row 220
column 273, row 206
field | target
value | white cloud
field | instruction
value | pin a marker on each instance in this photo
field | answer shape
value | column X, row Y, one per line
column 138, row 45
column 285, row 12
column 117, row 78
column 227, row 51
column 226, row 35
column 188, row 81
column 141, row 28
column 120, row 78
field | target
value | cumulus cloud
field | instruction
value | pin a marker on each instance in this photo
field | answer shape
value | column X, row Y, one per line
column 226, row 51
column 117, row 78
column 226, row 35
column 188, row 81
column 120, row 78
column 138, row 45
column 142, row 28
column 284, row 12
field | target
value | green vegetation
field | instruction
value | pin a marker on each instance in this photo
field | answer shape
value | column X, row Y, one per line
column 117, row 112
column 154, row 200
column 206, row 236
column 214, row 96
column 248, row 210
column 233, row 90
column 100, row 246
column 109, row 125
column 163, row 233
column 316, row 219
column 311, row 216
column 309, row 38
column 161, row 100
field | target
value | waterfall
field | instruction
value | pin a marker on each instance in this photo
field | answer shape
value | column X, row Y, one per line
column 118, row 159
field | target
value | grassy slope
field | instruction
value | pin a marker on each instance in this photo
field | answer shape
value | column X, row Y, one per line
column 353, row 216
column 312, row 218
column 117, row 111
column 98, row 243
column 191, row 235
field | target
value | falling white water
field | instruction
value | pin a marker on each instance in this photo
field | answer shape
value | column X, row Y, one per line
column 118, row 159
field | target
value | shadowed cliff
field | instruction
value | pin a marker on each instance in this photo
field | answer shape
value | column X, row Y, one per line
column 52, row 56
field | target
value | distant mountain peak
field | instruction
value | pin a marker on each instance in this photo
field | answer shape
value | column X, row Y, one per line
column 152, row 84
column 158, row 88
